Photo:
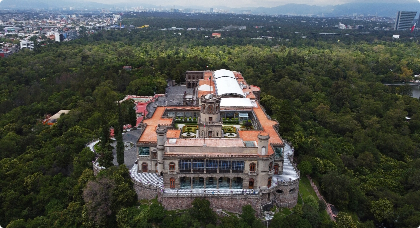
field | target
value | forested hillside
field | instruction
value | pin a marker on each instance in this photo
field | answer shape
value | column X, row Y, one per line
column 350, row 132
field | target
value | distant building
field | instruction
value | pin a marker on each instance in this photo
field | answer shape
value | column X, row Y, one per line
column 405, row 20
column 216, row 35
column 211, row 10
column 26, row 44
column 51, row 120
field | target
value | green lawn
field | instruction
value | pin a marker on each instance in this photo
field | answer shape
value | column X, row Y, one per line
column 305, row 188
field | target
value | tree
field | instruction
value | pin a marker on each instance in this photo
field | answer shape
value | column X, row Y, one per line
column 105, row 156
column 202, row 212
column 344, row 220
column 98, row 199
column 381, row 209
column 119, row 137
column 248, row 217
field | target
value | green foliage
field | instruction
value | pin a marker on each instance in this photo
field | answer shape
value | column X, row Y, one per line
column 229, row 129
column 202, row 212
column 381, row 209
column 345, row 220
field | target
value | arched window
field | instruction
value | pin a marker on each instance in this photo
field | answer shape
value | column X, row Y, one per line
column 263, row 150
column 270, row 167
column 172, row 182
column 144, row 167
column 172, row 166
column 269, row 182
column 252, row 167
column 156, row 167
column 251, row 183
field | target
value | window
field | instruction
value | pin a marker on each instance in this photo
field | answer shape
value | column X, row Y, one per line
column 210, row 109
column 172, row 166
column 172, row 182
column 211, row 166
column 144, row 151
column 269, row 182
column 184, row 166
column 210, row 134
column 251, row 183
column 210, row 119
column 270, row 167
column 224, row 167
column 279, row 152
column 263, row 150
column 144, row 167
column 156, row 167
column 198, row 165
column 252, row 167
column 238, row 166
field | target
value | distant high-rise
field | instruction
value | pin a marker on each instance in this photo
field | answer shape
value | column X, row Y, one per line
column 211, row 10
column 405, row 20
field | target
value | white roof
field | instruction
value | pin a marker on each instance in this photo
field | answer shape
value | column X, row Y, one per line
column 226, row 83
column 58, row 114
column 205, row 88
column 236, row 102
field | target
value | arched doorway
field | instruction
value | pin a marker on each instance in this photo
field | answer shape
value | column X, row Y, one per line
column 144, row 167
column 276, row 168
column 251, row 184
column 172, row 182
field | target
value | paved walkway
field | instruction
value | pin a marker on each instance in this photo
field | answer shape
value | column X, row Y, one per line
column 130, row 154
column 320, row 197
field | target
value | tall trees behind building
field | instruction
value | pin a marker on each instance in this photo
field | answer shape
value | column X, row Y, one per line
column 350, row 132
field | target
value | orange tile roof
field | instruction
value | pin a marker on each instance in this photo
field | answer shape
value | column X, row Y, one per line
column 149, row 134
column 255, row 88
column 173, row 134
column 249, row 135
column 268, row 126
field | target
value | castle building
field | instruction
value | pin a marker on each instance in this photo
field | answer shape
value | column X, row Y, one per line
column 223, row 147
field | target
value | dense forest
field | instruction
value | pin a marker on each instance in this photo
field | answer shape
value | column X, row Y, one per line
column 350, row 132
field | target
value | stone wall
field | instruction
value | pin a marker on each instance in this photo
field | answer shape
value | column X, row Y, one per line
column 145, row 192
column 229, row 203
column 286, row 194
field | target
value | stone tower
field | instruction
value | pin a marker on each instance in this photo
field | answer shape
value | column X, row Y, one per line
column 210, row 123
column 161, row 139
column 263, row 163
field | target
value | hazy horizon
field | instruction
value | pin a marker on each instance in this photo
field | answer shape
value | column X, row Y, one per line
column 248, row 3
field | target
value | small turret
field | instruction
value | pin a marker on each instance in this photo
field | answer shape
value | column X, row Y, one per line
column 263, row 143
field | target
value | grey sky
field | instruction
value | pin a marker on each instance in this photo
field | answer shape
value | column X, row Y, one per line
column 249, row 3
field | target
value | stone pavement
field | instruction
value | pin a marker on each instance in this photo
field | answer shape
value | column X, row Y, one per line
column 130, row 154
